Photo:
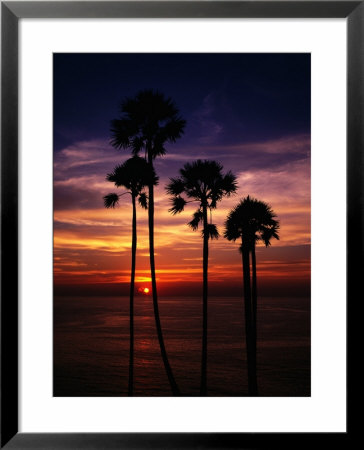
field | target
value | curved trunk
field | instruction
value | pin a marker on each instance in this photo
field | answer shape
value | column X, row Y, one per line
column 254, row 309
column 203, row 387
column 252, row 383
column 131, row 307
column 167, row 367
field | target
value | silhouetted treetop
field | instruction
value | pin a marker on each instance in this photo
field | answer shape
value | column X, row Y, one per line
column 202, row 180
column 134, row 175
column 146, row 123
column 253, row 220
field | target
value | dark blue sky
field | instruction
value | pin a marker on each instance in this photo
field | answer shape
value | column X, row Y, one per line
column 225, row 98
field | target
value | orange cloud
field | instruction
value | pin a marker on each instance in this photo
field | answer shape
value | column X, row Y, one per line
column 92, row 245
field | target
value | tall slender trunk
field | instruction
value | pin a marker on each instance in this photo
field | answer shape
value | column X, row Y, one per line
column 254, row 311
column 131, row 306
column 252, row 384
column 203, row 387
column 172, row 382
column 254, row 286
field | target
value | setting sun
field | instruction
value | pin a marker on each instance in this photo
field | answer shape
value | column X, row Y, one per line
column 146, row 290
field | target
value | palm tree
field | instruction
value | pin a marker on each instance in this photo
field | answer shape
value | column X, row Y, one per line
column 204, row 182
column 147, row 123
column 252, row 221
column 134, row 174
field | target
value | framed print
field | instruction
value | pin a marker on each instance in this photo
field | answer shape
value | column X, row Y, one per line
column 169, row 278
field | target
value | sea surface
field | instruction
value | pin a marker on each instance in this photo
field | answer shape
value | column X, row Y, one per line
column 91, row 346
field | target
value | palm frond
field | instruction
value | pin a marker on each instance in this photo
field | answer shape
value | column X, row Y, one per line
column 137, row 144
column 122, row 130
column 232, row 230
column 212, row 231
column 172, row 130
column 178, row 205
column 197, row 218
column 158, row 149
column 175, row 186
column 229, row 183
column 143, row 200
column 270, row 232
column 111, row 200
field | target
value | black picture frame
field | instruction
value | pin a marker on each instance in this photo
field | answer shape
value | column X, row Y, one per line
column 11, row 12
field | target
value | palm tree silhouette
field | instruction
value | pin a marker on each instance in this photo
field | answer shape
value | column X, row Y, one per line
column 134, row 174
column 251, row 220
column 147, row 123
column 204, row 182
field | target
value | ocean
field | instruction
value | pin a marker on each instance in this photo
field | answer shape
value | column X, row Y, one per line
column 91, row 346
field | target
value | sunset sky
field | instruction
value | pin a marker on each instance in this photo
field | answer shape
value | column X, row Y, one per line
column 250, row 112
